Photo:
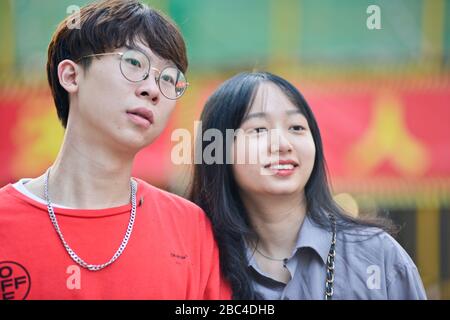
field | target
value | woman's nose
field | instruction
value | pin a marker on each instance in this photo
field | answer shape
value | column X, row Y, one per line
column 279, row 142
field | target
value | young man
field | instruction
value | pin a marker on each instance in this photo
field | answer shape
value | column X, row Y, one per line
column 86, row 229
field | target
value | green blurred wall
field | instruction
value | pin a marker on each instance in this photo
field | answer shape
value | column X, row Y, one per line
column 233, row 34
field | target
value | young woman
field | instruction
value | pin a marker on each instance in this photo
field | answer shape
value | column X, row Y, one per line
column 280, row 234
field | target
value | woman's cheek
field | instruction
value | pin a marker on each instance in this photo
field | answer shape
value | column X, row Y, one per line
column 308, row 156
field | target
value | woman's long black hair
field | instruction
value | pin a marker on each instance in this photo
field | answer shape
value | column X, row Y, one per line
column 215, row 190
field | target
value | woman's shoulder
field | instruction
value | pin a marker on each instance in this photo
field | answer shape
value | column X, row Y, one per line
column 372, row 258
column 375, row 243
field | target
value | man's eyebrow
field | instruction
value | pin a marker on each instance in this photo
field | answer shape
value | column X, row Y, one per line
column 165, row 63
column 137, row 48
column 133, row 47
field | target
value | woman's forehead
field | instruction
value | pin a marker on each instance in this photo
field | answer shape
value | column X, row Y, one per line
column 270, row 98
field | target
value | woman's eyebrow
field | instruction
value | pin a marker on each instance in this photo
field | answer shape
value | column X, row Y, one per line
column 264, row 114
column 254, row 115
column 291, row 112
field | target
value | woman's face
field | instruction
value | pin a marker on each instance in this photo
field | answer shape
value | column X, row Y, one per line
column 274, row 151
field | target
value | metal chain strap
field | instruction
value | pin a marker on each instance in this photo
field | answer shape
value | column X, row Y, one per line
column 72, row 254
column 330, row 262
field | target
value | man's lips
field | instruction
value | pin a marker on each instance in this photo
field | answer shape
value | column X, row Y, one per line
column 141, row 116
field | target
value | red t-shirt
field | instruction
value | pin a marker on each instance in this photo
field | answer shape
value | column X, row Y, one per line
column 171, row 253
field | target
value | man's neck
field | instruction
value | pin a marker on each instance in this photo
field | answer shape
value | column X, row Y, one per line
column 87, row 176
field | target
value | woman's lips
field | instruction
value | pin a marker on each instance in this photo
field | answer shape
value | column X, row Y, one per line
column 285, row 172
column 282, row 168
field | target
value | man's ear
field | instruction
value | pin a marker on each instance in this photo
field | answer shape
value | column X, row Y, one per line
column 69, row 75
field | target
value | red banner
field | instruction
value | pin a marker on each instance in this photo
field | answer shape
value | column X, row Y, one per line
column 376, row 137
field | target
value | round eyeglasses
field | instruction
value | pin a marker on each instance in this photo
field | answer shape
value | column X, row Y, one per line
column 135, row 67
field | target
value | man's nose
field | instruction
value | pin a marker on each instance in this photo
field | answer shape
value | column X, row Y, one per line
column 149, row 87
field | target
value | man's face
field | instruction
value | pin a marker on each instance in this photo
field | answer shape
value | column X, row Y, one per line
column 111, row 110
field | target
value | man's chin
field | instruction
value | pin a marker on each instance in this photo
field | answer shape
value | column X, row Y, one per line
column 135, row 142
column 141, row 144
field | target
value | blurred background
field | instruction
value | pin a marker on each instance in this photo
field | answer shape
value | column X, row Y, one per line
column 381, row 97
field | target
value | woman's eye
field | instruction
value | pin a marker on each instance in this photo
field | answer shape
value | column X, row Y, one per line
column 298, row 128
column 259, row 129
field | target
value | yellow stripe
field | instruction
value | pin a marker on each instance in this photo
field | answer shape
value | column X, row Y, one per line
column 284, row 33
column 428, row 248
column 433, row 15
column 7, row 34
column 445, row 293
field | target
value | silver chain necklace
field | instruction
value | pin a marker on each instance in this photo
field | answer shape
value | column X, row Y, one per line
column 267, row 257
column 72, row 254
column 330, row 261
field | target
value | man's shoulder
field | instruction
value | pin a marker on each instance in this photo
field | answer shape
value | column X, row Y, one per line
column 174, row 211
column 13, row 204
column 7, row 196
column 167, row 200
